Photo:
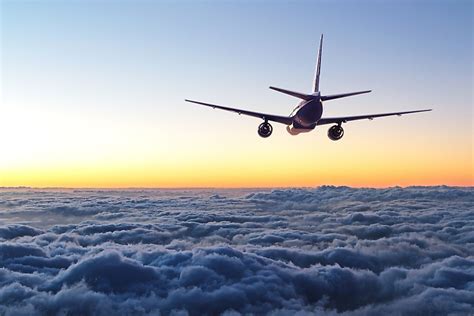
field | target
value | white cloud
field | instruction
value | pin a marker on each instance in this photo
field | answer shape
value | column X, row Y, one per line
column 331, row 250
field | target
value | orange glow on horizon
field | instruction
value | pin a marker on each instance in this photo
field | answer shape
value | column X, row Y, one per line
column 143, row 156
column 243, row 174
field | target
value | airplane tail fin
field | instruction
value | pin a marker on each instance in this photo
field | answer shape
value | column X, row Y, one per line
column 342, row 95
column 318, row 66
column 293, row 93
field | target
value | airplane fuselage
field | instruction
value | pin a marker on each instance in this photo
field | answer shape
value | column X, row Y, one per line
column 306, row 115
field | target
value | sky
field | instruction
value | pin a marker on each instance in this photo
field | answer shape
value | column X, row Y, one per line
column 92, row 92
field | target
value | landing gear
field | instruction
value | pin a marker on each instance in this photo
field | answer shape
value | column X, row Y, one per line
column 265, row 129
column 335, row 132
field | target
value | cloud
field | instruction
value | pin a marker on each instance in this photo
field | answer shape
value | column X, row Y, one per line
column 13, row 231
column 329, row 250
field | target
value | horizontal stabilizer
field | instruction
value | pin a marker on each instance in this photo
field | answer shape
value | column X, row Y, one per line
column 342, row 95
column 293, row 93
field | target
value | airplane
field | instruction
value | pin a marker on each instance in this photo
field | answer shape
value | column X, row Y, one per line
column 308, row 113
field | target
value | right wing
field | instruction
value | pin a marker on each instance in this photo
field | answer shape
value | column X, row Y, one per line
column 344, row 119
column 268, row 117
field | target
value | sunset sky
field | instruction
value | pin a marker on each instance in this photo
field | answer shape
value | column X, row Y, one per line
column 92, row 92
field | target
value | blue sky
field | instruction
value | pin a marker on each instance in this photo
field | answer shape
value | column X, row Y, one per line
column 114, row 68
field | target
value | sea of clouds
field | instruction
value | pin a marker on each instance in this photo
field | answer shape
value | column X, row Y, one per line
column 329, row 250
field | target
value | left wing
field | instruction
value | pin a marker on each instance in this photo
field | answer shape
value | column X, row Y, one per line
column 344, row 119
column 269, row 117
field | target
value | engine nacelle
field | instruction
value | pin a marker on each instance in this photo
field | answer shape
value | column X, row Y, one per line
column 265, row 129
column 335, row 132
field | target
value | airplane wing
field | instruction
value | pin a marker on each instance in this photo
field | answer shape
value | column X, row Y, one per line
column 344, row 119
column 270, row 117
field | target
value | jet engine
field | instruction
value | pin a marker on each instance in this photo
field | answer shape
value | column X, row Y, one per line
column 265, row 129
column 335, row 132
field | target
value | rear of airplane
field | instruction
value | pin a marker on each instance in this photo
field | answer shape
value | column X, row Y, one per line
column 316, row 91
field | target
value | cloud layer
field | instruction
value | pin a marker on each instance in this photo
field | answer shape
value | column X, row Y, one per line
column 330, row 250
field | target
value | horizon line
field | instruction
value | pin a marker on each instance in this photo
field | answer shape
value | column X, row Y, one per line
column 226, row 188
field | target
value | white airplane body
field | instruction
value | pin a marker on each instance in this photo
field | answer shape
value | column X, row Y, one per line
column 308, row 113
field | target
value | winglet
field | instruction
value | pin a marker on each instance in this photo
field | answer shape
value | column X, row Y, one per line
column 318, row 66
